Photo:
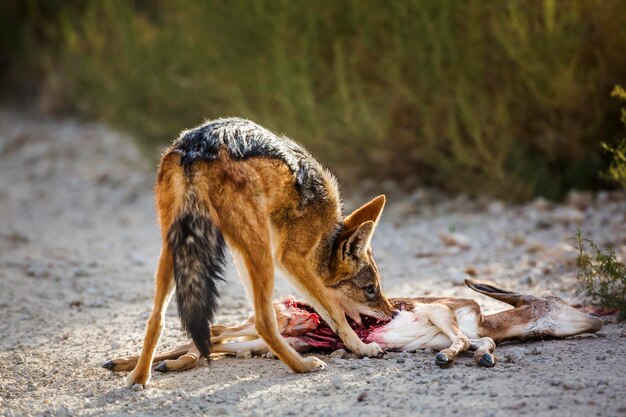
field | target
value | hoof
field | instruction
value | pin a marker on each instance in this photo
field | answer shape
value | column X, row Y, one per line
column 108, row 365
column 442, row 360
column 487, row 360
column 162, row 367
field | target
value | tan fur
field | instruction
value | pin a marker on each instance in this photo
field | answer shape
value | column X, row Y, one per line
column 257, row 208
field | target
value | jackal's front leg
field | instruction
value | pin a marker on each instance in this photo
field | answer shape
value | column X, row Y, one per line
column 164, row 286
column 327, row 307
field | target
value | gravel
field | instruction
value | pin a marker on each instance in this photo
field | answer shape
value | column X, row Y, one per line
column 78, row 248
column 514, row 355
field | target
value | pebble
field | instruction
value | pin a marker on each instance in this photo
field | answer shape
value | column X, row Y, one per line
column 567, row 215
column 337, row 361
column 19, row 358
column 37, row 271
column 115, row 345
column 219, row 411
column 409, row 363
column 536, row 350
column 339, row 353
column 362, row 396
column 573, row 385
column 81, row 272
column 515, row 355
column 270, row 355
column 455, row 239
column 244, row 354
column 337, row 381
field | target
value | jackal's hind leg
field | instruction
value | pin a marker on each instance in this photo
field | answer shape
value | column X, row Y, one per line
column 484, row 348
column 128, row 363
column 164, row 287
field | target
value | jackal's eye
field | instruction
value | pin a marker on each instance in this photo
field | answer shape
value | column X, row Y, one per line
column 370, row 291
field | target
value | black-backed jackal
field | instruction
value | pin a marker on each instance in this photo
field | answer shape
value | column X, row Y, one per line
column 447, row 324
column 232, row 182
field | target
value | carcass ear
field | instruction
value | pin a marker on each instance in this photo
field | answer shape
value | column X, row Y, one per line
column 499, row 294
column 358, row 241
column 367, row 212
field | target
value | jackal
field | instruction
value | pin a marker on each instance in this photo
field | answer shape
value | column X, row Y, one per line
column 232, row 182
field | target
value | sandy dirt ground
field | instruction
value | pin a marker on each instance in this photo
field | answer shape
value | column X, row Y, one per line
column 78, row 249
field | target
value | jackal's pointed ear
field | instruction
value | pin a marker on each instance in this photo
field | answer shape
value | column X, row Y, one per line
column 367, row 212
column 358, row 241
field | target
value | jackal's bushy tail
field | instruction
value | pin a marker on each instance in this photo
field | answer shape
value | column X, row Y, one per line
column 198, row 250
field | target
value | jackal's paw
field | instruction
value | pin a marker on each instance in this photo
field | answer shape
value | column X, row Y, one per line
column 134, row 378
column 313, row 364
column 370, row 350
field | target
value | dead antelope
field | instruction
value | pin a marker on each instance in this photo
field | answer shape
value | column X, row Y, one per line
column 449, row 325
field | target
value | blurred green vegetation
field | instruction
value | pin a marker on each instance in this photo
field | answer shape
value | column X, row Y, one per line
column 617, row 168
column 505, row 98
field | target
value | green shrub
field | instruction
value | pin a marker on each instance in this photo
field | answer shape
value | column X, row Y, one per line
column 504, row 98
column 601, row 275
column 617, row 168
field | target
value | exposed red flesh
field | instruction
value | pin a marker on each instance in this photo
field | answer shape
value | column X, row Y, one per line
column 319, row 335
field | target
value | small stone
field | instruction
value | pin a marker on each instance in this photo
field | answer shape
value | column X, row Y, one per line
column 455, row 239
column 219, row 411
column 536, row 350
column 88, row 393
column 37, row 271
column 337, row 381
column 339, row 353
column 567, row 215
column 270, row 355
column 601, row 357
column 518, row 240
column 19, row 358
column 244, row 354
column 181, row 393
column 115, row 345
column 362, row 396
column 409, row 363
column 573, row 385
column 337, row 361
column 80, row 273
column 515, row 355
